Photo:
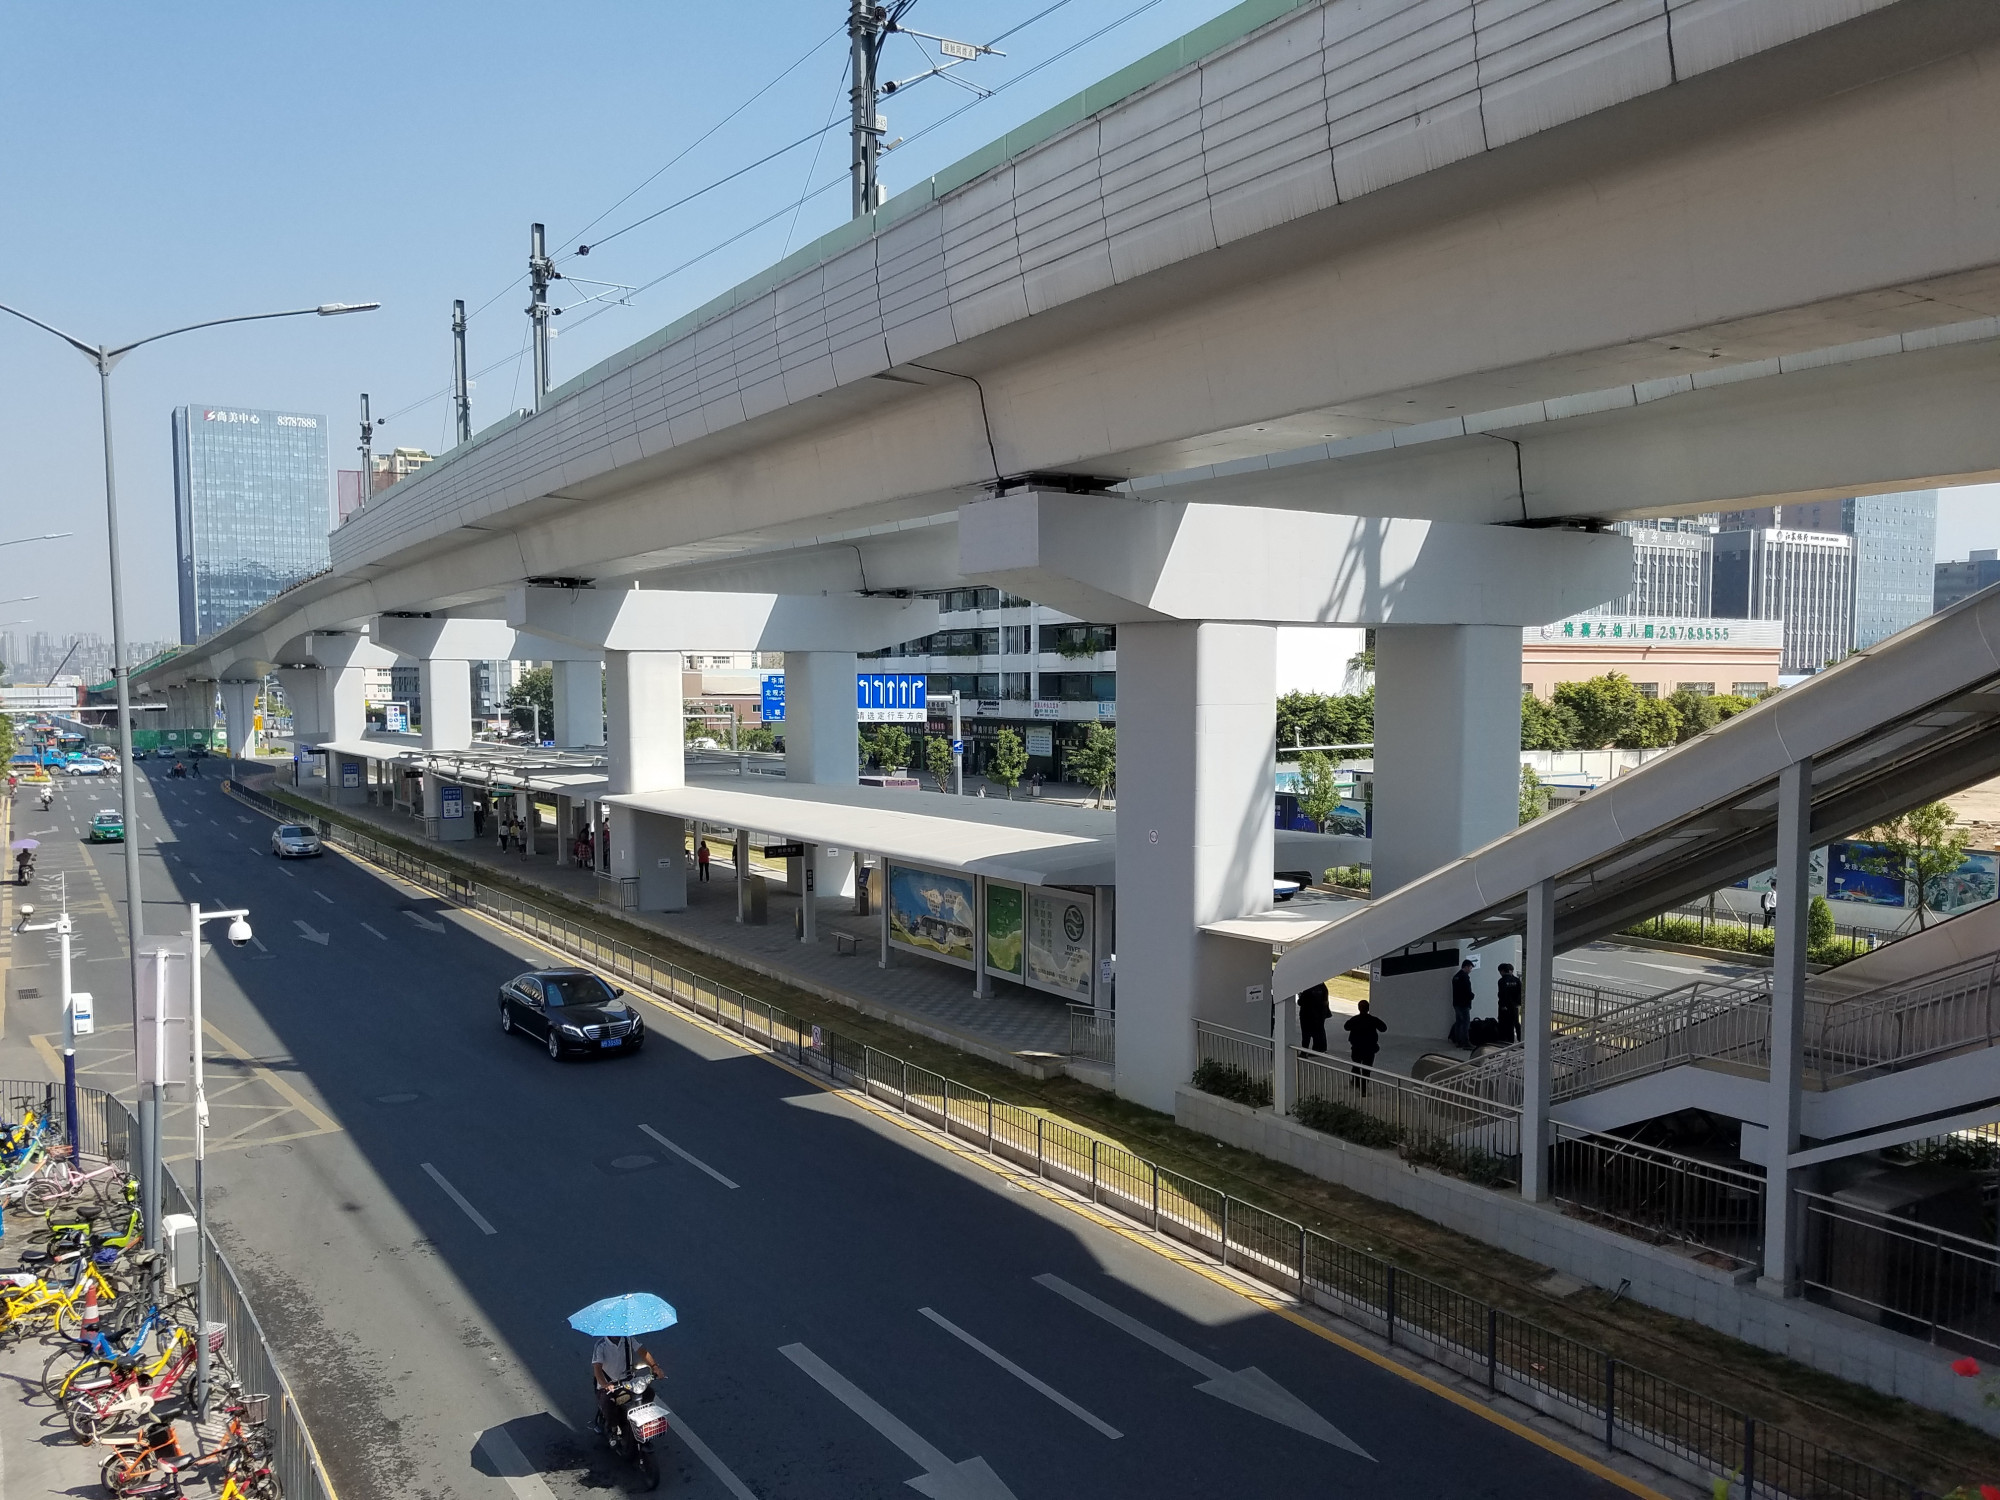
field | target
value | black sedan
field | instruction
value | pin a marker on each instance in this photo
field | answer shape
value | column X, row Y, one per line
column 571, row 1011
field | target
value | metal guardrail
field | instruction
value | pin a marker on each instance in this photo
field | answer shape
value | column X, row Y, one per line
column 105, row 1132
column 1093, row 1034
column 1235, row 1064
column 1656, row 1194
column 1928, row 1283
column 1585, row 1387
column 1425, row 1122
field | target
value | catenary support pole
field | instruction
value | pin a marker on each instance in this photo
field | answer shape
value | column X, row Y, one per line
column 1788, row 994
column 367, row 454
column 864, row 47
column 461, row 387
column 541, row 271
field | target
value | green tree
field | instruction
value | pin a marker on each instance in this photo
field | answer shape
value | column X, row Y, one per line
column 535, row 690
column 1819, row 923
column 6, row 738
column 1920, row 848
column 1534, row 796
column 1326, row 719
column 1729, row 705
column 1602, row 708
column 937, row 760
column 1319, row 797
column 1095, row 763
column 1544, row 726
column 1654, row 726
column 892, row 747
column 1009, row 762
column 1698, row 712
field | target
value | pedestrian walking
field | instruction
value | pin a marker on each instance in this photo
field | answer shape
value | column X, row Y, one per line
column 501, row 830
column 1461, row 1006
column 1509, row 988
column 1770, row 905
column 1364, row 1040
column 1314, row 1008
column 701, row 858
column 479, row 819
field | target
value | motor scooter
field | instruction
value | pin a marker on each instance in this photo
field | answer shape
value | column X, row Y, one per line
column 633, row 1421
column 24, row 867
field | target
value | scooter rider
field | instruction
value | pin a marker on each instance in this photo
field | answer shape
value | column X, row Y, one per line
column 24, row 866
column 48, row 796
column 612, row 1364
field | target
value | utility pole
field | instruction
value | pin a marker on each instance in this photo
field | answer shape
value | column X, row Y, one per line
column 541, row 271
column 367, row 454
column 461, row 388
column 957, row 749
column 866, row 28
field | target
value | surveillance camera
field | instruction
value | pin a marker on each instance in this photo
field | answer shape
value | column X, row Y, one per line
column 239, row 933
column 26, row 910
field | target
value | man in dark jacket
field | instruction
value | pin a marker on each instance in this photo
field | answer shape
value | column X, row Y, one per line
column 1364, row 1040
column 1461, row 1006
column 1509, row 988
column 1314, row 1007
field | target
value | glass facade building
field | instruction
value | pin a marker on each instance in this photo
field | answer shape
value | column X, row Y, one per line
column 1895, row 549
column 251, row 509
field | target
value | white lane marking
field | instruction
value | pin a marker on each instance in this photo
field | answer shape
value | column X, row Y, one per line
column 191, row 875
column 506, row 1456
column 1249, row 1387
column 687, row 1156
column 311, row 934
column 706, row 1454
column 1020, row 1374
column 366, row 928
column 288, row 874
column 258, row 944
column 324, row 897
column 943, row 1479
column 459, row 1198
column 230, row 831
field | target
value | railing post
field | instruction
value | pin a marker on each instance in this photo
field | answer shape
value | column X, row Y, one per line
column 1302, row 1263
column 989, row 1126
column 1749, row 1456
column 1039, row 1172
column 1093, row 1171
column 1156, row 1200
column 1389, row 1297
column 1225, row 1229
column 1492, row 1350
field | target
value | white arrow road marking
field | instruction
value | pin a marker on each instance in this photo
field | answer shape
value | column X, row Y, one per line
column 423, row 921
column 942, row 1479
column 1020, row 1374
column 309, row 935
column 241, row 819
column 366, row 928
column 687, row 1156
column 459, row 1198
column 1249, row 1387
column 518, row 1474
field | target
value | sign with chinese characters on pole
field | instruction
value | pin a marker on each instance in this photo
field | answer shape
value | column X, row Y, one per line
column 890, row 697
column 162, row 1035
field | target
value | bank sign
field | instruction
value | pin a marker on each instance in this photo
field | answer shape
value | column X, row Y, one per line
column 889, row 697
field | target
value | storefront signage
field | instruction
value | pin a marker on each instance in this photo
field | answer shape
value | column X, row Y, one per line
column 1041, row 742
column 1044, row 708
column 889, row 697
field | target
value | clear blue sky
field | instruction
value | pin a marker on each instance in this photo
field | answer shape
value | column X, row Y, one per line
column 168, row 163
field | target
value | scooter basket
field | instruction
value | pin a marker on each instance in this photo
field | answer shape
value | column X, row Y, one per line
column 218, row 1335
column 256, row 1410
column 647, row 1422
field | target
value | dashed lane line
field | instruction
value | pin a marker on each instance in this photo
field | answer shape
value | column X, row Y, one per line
column 459, row 1198
column 687, row 1156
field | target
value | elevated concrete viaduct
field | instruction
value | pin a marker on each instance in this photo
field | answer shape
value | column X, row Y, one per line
column 1403, row 262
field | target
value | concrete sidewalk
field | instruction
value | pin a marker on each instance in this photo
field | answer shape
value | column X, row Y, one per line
column 1018, row 1027
column 38, row 1455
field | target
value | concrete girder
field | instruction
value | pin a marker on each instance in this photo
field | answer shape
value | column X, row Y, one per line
column 461, row 638
column 656, row 620
column 1120, row 560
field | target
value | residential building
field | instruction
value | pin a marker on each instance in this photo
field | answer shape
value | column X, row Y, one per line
column 1659, row 654
column 1803, row 578
column 250, row 507
column 1895, row 547
column 1953, row 581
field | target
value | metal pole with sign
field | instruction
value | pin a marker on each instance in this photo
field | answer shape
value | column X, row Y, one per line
column 957, row 750
column 239, row 933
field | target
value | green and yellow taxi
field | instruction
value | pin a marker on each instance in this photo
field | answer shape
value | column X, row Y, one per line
column 108, row 827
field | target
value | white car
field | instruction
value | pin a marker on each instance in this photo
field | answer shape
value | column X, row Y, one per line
column 294, row 841
column 87, row 768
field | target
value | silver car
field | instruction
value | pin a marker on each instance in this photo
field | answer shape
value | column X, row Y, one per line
column 294, row 841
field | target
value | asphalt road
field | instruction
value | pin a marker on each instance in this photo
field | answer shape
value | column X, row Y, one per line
column 416, row 1202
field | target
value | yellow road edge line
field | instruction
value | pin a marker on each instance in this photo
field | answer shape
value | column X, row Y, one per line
column 1164, row 1249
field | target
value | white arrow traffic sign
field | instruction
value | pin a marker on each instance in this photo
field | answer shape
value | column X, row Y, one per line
column 942, row 1479
column 1249, row 1387
column 310, row 935
column 423, row 921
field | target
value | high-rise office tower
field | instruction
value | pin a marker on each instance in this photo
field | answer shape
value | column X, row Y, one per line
column 250, row 507
column 1961, row 580
column 1672, row 571
column 1895, row 547
column 1805, row 578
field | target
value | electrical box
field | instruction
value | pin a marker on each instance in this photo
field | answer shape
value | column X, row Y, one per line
column 179, row 1249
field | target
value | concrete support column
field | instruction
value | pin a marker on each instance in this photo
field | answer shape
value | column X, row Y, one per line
column 1196, row 802
column 809, row 897
column 645, row 744
column 982, row 982
column 741, row 859
column 579, row 691
column 660, row 861
column 438, row 809
column 1447, row 780
column 302, row 689
column 446, row 686
column 239, row 714
column 1537, row 1034
column 344, row 703
column 820, row 741
column 1788, row 1006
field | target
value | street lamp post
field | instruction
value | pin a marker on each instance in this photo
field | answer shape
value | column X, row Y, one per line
column 239, row 934
column 104, row 357
column 64, row 930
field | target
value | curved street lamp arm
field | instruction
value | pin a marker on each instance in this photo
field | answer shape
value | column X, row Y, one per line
column 89, row 351
column 124, row 349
